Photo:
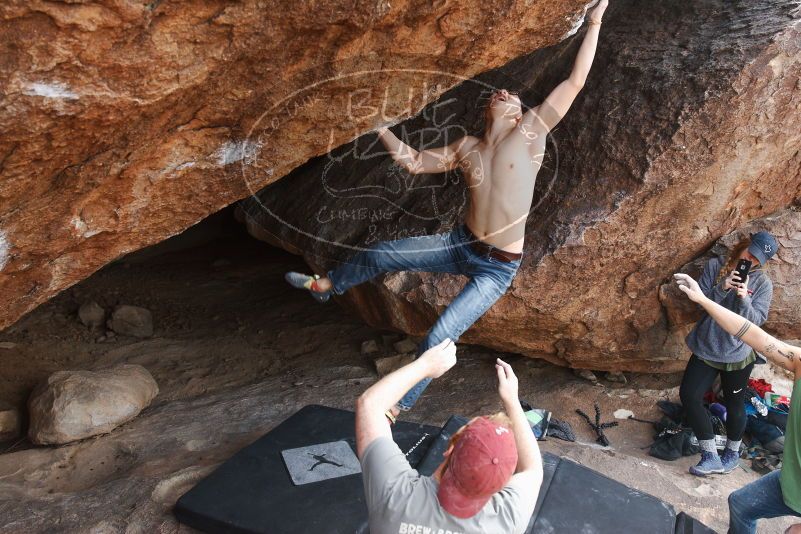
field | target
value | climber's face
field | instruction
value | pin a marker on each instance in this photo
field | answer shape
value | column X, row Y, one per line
column 504, row 104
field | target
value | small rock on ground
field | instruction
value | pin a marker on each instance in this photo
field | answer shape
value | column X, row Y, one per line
column 586, row 374
column 132, row 321
column 622, row 413
column 92, row 314
column 386, row 365
column 405, row 345
column 616, row 376
column 369, row 347
column 9, row 422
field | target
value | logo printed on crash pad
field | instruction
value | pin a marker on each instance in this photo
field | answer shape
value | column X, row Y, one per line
column 321, row 459
column 316, row 463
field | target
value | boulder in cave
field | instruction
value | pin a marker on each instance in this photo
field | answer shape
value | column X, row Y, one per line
column 73, row 405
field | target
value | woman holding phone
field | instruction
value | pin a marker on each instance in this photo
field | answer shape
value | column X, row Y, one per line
column 715, row 351
column 778, row 493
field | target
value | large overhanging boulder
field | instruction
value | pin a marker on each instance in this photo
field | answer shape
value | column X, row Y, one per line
column 686, row 130
column 126, row 122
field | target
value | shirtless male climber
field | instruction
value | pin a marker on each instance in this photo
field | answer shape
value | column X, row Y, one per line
column 500, row 170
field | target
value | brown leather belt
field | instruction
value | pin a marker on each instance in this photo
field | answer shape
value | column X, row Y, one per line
column 484, row 249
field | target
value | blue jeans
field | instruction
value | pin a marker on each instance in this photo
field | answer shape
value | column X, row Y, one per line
column 443, row 253
column 759, row 499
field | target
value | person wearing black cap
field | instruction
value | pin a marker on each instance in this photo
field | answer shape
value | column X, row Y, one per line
column 715, row 351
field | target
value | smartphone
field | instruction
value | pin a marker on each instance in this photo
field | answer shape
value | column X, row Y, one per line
column 743, row 268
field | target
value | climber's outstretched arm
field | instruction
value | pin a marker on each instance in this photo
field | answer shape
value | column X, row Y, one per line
column 555, row 107
column 429, row 161
column 371, row 406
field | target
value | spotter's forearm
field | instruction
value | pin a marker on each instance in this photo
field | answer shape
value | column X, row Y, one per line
column 528, row 451
column 383, row 395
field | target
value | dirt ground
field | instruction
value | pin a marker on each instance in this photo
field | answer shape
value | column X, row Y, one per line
column 235, row 352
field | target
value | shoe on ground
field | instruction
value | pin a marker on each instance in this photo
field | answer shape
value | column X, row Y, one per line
column 300, row 281
column 730, row 460
column 710, row 464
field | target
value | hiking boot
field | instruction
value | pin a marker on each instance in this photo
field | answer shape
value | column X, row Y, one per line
column 730, row 460
column 710, row 464
column 302, row 281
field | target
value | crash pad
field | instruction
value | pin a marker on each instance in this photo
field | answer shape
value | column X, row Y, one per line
column 253, row 491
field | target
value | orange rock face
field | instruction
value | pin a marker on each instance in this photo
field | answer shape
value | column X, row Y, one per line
column 686, row 130
column 126, row 122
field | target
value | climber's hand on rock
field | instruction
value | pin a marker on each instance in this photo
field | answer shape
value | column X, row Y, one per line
column 439, row 358
column 598, row 12
column 379, row 124
column 688, row 284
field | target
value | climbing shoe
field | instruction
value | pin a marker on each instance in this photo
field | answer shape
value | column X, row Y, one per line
column 304, row 281
column 730, row 460
column 710, row 464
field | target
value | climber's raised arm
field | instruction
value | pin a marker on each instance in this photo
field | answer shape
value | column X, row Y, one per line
column 428, row 161
column 555, row 106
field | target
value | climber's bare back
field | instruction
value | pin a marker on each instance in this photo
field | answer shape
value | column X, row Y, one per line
column 500, row 178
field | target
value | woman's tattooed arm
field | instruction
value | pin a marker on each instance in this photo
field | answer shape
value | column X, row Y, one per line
column 778, row 351
column 789, row 354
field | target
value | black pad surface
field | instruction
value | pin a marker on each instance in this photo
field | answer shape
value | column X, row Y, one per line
column 253, row 492
column 434, row 455
column 687, row 524
column 579, row 499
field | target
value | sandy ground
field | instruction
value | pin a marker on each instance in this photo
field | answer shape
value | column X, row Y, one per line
column 235, row 352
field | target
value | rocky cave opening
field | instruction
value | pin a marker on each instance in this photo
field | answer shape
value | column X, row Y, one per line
column 217, row 304
column 227, row 329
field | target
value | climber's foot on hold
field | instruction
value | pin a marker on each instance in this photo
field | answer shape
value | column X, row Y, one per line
column 319, row 288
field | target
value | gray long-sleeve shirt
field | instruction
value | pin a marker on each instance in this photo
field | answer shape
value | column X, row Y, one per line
column 709, row 341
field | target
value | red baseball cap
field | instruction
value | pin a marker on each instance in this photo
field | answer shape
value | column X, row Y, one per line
column 481, row 463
